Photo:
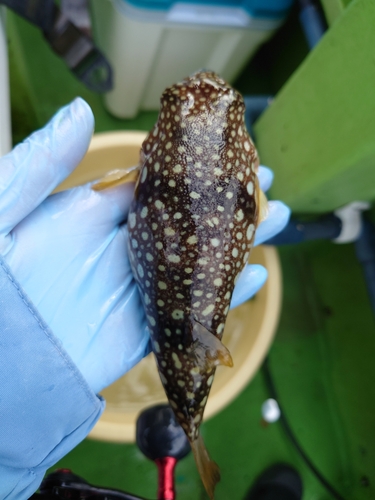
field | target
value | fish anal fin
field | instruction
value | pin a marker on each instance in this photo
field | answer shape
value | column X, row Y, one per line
column 116, row 177
column 208, row 470
column 209, row 349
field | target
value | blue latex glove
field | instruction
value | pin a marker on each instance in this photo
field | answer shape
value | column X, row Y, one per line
column 68, row 250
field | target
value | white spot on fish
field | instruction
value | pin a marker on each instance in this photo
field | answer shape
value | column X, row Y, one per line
column 144, row 212
column 194, row 195
column 174, row 258
column 220, row 328
column 157, row 347
column 176, row 360
column 132, row 220
column 177, row 314
column 151, row 320
column 203, row 402
column 140, row 270
column 208, row 310
column 239, row 215
column 250, row 231
column 203, row 261
column 144, row 174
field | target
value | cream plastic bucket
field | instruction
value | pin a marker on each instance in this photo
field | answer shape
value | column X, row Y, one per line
column 249, row 330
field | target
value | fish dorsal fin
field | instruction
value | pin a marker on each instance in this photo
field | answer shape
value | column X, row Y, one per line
column 117, row 177
column 208, row 348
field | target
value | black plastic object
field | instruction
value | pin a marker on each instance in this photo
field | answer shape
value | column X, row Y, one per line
column 326, row 227
column 77, row 49
column 254, row 107
column 365, row 250
column 63, row 484
column 312, row 21
column 159, row 434
column 279, row 482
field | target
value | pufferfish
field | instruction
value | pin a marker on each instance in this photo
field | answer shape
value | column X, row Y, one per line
column 191, row 225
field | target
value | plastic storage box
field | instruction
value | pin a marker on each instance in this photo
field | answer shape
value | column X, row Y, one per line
column 152, row 44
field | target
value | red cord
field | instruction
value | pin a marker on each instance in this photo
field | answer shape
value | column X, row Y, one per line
column 166, row 467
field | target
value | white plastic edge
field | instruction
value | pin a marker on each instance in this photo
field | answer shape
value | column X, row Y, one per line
column 351, row 218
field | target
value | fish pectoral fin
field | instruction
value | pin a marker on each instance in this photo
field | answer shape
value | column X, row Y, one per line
column 209, row 349
column 262, row 204
column 117, row 177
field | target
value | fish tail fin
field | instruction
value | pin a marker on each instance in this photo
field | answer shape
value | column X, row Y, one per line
column 208, row 470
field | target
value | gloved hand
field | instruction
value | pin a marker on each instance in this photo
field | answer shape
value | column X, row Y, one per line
column 68, row 250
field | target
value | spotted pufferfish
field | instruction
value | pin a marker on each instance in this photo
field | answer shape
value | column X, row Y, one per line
column 191, row 226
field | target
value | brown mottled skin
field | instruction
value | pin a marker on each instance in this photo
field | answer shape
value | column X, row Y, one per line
column 191, row 227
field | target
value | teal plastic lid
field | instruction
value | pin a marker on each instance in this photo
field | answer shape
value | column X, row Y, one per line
column 271, row 9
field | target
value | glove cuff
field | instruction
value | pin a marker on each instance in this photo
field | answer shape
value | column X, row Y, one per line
column 46, row 406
